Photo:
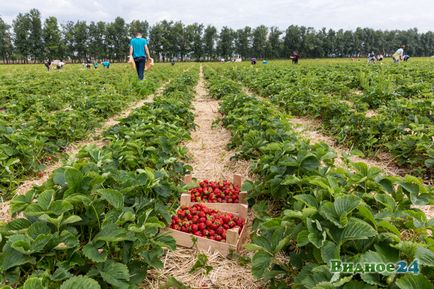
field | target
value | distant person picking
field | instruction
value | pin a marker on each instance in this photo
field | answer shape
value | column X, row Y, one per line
column 106, row 63
column 398, row 55
column 294, row 57
column 140, row 53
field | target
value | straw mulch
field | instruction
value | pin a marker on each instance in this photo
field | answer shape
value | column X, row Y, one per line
column 225, row 273
column 208, row 151
column 210, row 159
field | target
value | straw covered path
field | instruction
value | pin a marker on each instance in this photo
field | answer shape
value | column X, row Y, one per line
column 210, row 159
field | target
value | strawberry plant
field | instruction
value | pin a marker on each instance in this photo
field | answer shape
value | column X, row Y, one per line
column 402, row 125
column 96, row 222
column 52, row 110
column 309, row 211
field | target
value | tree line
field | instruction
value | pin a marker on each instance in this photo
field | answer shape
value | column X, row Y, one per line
column 29, row 39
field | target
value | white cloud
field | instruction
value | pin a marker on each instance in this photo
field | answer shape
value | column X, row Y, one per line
column 346, row 14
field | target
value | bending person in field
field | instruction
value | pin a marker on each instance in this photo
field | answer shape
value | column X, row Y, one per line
column 294, row 57
column 60, row 64
column 139, row 52
column 106, row 63
column 371, row 57
column 398, row 55
column 47, row 64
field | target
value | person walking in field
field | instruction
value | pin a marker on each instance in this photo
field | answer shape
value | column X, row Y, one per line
column 139, row 52
column 398, row 55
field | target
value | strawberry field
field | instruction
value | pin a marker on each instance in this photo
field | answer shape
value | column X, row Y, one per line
column 103, row 216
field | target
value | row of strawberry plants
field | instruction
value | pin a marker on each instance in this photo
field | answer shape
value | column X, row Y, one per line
column 96, row 222
column 47, row 113
column 309, row 212
column 408, row 136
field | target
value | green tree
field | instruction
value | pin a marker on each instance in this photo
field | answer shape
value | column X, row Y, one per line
column 243, row 42
column 97, row 42
column 169, row 40
column 427, row 43
column 35, row 35
column 69, row 41
column 81, row 43
column 21, row 28
column 274, row 43
column 226, row 42
column 162, row 41
column 260, row 41
column 291, row 41
column 117, row 39
column 6, row 48
column 178, row 40
column 194, row 32
column 52, row 40
column 139, row 26
column 348, row 40
column 330, row 43
column 209, row 41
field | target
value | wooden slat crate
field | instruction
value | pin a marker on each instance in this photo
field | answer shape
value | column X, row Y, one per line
column 234, row 239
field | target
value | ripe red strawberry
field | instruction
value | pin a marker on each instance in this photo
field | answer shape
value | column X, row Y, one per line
column 195, row 219
column 181, row 213
column 220, row 230
column 226, row 219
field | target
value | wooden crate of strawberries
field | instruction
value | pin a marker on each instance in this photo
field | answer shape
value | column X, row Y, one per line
column 215, row 230
column 219, row 195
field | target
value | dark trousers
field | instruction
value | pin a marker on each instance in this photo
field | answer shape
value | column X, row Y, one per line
column 140, row 66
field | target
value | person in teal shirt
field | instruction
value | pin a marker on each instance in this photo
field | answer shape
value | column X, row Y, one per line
column 139, row 52
column 106, row 63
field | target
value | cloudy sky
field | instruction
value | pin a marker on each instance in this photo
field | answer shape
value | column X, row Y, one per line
column 347, row 14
